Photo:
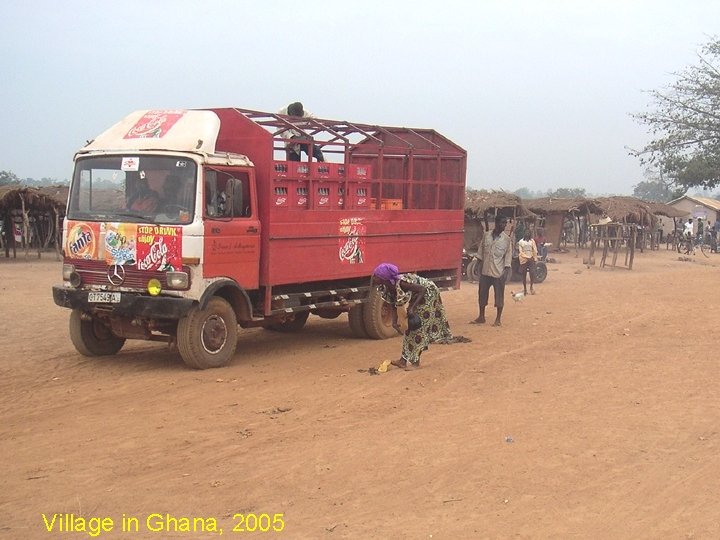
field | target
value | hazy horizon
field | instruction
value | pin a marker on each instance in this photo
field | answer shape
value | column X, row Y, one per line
column 539, row 93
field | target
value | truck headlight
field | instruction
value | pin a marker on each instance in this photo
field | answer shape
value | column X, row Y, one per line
column 177, row 280
column 67, row 271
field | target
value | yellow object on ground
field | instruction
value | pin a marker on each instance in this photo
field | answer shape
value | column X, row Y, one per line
column 382, row 368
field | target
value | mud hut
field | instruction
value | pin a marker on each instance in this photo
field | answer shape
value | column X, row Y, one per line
column 561, row 214
column 31, row 218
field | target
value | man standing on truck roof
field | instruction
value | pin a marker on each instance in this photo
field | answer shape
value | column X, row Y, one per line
column 294, row 149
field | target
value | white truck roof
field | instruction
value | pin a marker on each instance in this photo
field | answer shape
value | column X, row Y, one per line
column 174, row 130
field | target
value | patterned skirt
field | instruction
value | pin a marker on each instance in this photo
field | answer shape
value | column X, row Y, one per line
column 434, row 328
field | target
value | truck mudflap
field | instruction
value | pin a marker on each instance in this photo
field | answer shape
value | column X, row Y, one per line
column 124, row 304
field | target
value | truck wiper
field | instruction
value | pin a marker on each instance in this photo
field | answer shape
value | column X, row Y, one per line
column 137, row 217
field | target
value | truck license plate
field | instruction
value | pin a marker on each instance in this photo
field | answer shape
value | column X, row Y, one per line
column 104, row 297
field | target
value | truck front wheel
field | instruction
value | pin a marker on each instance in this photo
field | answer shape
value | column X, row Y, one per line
column 378, row 317
column 206, row 338
column 92, row 337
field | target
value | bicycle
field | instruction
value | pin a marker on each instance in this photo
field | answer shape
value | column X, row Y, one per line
column 689, row 246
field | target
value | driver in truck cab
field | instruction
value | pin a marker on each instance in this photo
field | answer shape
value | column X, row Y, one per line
column 143, row 198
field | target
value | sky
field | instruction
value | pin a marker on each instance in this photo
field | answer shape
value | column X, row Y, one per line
column 539, row 92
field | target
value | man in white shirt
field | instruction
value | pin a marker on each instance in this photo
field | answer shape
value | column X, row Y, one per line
column 688, row 232
column 527, row 256
column 294, row 150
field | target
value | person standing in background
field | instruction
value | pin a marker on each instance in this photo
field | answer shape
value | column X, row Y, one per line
column 527, row 256
column 495, row 256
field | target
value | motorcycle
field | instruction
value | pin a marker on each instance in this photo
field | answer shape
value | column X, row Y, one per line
column 472, row 268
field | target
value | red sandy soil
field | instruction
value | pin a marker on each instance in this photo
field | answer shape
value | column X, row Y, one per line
column 594, row 412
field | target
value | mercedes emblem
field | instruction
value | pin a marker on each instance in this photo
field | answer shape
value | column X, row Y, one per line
column 116, row 274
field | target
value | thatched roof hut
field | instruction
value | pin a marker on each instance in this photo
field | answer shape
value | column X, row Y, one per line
column 33, row 215
column 627, row 210
column 557, row 205
column 662, row 209
column 38, row 199
column 481, row 203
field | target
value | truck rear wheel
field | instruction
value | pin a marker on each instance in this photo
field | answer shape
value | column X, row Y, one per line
column 92, row 338
column 206, row 338
column 356, row 320
column 378, row 317
column 291, row 325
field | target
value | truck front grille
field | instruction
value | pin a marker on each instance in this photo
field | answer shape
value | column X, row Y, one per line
column 96, row 273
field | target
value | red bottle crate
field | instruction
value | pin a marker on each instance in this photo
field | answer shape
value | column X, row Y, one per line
column 327, row 171
column 299, row 194
column 359, row 195
column 359, row 171
column 281, row 194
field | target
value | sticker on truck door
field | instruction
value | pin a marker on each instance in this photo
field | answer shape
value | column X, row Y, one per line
column 352, row 240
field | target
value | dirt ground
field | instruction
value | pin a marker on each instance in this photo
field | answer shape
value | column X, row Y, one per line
column 592, row 413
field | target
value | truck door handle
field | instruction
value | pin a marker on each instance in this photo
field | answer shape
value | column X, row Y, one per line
column 252, row 229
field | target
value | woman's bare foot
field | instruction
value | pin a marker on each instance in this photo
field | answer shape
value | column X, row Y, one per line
column 479, row 320
column 401, row 363
column 497, row 323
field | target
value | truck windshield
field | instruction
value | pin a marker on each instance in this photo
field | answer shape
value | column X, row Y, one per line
column 147, row 189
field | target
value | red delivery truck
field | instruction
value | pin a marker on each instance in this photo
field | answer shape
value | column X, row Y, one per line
column 185, row 226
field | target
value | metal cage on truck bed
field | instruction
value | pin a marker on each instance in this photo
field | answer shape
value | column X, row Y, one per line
column 396, row 192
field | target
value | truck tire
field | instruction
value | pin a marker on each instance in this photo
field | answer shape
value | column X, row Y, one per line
column 92, row 338
column 356, row 319
column 206, row 338
column 291, row 325
column 378, row 317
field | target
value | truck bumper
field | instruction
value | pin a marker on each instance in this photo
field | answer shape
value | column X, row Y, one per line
column 130, row 305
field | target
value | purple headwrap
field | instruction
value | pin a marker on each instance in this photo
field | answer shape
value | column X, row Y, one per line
column 388, row 272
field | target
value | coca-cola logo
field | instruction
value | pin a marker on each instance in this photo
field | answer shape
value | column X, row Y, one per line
column 280, row 201
column 347, row 251
column 302, row 201
column 324, row 201
column 156, row 257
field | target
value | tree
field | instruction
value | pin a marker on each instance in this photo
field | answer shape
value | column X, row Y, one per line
column 657, row 188
column 526, row 193
column 8, row 178
column 685, row 122
column 566, row 193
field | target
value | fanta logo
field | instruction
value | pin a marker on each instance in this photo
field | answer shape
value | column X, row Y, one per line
column 81, row 241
